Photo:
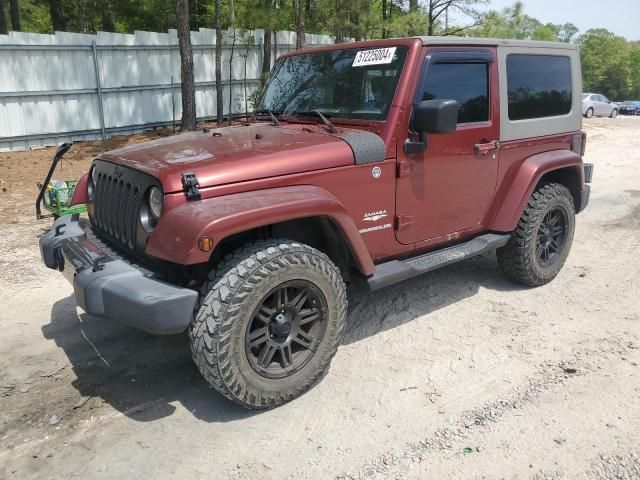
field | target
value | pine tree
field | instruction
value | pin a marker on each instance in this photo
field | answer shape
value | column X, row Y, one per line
column 219, row 86
column 186, row 66
column 3, row 19
column 14, row 8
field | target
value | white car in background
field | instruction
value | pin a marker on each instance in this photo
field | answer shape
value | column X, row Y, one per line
column 595, row 104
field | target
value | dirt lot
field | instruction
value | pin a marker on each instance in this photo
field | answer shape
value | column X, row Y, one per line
column 457, row 374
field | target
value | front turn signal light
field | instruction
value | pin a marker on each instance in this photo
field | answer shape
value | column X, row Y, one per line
column 205, row 243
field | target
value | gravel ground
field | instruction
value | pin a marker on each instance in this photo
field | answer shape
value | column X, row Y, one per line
column 456, row 374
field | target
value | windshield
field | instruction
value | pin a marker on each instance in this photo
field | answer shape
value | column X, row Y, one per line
column 349, row 83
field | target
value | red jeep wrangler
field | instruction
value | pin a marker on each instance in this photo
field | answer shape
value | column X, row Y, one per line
column 381, row 160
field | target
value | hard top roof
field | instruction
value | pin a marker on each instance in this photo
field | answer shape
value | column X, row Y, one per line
column 437, row 41
column 499, row 42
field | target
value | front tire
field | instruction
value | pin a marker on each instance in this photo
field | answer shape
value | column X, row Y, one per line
column 614, row 113
column 268, row 322
column 541, row 242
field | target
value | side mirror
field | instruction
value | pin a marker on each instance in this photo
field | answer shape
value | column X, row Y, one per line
column 435, row 116
column 432, row 116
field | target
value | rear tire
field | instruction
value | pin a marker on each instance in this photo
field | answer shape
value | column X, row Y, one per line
column 589, row 112
column 541, row 242
column 257, row 337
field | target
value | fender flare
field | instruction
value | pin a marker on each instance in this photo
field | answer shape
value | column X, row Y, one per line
column 176, row 235
column 525, row 180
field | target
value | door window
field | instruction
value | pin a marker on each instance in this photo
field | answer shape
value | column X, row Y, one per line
column 467, row 83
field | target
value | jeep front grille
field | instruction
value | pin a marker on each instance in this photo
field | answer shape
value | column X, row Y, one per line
column 116, row 207
column 116, row 204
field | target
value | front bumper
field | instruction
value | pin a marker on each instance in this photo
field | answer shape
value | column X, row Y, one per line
column 105, row 285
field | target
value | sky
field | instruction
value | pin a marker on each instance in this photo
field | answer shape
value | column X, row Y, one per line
column 621, row 17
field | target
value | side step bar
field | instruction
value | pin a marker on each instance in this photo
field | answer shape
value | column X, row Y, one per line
column 396, row 271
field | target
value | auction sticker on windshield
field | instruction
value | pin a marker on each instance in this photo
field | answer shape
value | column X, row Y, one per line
column 378, row 56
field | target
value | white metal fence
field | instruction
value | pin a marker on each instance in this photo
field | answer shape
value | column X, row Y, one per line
column 71, row 86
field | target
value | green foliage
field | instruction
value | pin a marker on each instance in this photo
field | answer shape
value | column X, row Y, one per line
column 606, row 63
column 512, row 22
column 413, row 23
column 634, row 65
column 34, row 17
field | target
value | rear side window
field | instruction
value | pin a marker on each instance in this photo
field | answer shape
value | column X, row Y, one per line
column 467, row 83
column 538, row 86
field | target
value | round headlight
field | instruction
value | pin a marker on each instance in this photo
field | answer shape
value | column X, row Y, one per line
column 156, row 202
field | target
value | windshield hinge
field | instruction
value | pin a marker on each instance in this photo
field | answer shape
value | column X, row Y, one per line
column 405, row 168
column 190, row 186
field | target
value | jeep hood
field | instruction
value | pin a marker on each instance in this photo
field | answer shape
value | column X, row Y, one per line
column 235, row 154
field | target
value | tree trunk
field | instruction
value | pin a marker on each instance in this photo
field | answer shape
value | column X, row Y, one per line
column 186, row 66
column 266, row 47
column 299, row 9
column 431, row 18
column 219, row 86
column 266, row 57
column 233, row 46
column 15, row 15
column 58, row 21
column 108, row 24
column 413, row 5
column 383, row 5
column 244, row 80
column 3, row 19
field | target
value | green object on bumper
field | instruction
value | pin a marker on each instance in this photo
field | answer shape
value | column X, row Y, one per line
column 58, row 195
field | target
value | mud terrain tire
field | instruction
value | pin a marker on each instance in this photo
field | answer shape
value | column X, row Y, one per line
column 523, row 258
column 233, row 298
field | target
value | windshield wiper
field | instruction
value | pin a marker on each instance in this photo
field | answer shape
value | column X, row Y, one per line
column 330, row 126
column 274, row 120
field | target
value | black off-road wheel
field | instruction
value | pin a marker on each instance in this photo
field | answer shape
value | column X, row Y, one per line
column 540, row 244
column 268, row 322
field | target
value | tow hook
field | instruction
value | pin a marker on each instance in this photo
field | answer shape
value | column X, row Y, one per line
column 98, row 263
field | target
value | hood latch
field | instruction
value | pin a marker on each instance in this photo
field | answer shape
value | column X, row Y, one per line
column 190, row 186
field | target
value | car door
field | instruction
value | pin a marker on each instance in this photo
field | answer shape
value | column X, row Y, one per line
column 597, row 104
column 448, row 188
column 605, row 107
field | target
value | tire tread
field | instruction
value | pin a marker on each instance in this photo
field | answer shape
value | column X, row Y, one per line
column 221, row 301
column 514, row 258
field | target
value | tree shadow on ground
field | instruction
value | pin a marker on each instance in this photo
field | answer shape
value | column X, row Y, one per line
column 142, row 375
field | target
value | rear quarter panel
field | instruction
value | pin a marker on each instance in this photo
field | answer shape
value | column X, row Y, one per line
column 545, row 126
column 522, row 165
